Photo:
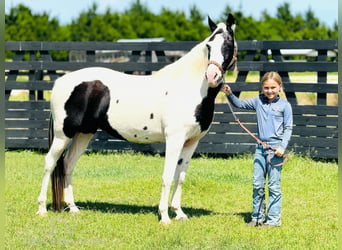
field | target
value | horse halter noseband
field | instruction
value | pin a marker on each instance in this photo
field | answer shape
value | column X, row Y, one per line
column 220, row 66
column 217, row 65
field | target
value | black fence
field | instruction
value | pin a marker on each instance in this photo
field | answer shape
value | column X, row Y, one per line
column 34, row 68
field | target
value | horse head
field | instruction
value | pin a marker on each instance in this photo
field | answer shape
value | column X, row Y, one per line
column 222, row 50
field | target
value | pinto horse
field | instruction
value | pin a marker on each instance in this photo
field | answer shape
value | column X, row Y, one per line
column 175, row 106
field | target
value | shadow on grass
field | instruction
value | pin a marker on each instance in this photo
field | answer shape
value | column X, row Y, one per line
column 106, row 207
column 246, row 216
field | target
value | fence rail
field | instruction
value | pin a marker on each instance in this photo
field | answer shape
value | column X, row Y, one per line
column 34, row 69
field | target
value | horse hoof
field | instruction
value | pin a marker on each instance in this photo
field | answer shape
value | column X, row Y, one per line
column 182, row 218
column 42, row 214
column 74, row 210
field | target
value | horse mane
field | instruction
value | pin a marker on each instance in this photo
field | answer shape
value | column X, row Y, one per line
column 196, row 58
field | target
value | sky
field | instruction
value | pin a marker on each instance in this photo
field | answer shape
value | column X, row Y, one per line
column 67, row 10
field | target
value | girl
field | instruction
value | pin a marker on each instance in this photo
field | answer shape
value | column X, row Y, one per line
column 274, row 122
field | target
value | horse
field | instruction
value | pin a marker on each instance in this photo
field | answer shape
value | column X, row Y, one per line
column 174, row 105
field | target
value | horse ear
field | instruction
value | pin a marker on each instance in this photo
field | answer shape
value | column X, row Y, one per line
column 230, row 21
column 212, row 25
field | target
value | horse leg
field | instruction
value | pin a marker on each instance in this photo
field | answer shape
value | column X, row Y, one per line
column 55, row 151
column 179, row 178
column 79, row 144
column 174, row 145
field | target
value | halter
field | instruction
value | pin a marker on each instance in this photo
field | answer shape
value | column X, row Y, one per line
column 217, row 65
column 234, row 59
column 220, row 66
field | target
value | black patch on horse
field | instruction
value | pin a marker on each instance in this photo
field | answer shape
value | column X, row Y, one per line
column 227, row 50
column 87, row 108
column 204, row 111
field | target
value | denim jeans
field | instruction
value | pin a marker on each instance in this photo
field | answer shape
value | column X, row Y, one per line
column 261, row 170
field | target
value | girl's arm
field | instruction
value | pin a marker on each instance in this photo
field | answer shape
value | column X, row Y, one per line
column 242, row 104
column 288, row 124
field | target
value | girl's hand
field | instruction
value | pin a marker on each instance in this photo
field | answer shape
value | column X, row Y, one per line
column 279, row 152
column 226, row 89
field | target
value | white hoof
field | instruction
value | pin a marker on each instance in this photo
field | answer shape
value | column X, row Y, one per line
column 164, row 217
column 180, row 215
column 42, row 213
column 182, row 218
column 73, row 209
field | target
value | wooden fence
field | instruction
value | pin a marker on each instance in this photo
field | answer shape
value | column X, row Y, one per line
column 34, row 70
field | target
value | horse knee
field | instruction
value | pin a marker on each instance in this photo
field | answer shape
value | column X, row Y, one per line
column 68, row 168
column 166, row 182
column 49, row 164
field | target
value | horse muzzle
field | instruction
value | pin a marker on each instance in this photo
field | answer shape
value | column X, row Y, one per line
column 213, row 75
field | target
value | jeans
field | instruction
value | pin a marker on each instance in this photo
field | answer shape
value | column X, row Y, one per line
column 261, row 169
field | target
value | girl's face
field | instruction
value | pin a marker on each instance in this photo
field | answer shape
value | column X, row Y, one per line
column 271, row 89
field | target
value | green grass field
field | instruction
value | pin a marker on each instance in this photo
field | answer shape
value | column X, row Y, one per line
column 119, row 195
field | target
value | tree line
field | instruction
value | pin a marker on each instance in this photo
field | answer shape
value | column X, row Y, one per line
column 21, row 24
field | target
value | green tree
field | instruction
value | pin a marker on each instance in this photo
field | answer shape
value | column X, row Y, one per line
column 311, row 21
column 23, row 25
column 284, row 12
column 197, row 18
column 139, row 22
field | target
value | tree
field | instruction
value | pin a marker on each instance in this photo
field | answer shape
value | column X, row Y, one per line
column 22, row 24
column 139, row 22
column 311, row 21
column 284, row 13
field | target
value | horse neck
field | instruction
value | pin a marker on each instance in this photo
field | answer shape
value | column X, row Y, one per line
column 198, row 56
column 195, row 61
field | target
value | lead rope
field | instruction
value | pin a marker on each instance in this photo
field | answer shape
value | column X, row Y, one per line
column 262, row 143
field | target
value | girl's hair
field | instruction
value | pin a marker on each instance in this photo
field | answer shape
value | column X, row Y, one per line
column 272, row 75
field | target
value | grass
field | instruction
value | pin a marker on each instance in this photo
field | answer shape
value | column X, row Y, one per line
column 120, row 192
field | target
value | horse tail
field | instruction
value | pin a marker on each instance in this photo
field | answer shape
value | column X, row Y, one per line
column 57, row 176
column 57, row 184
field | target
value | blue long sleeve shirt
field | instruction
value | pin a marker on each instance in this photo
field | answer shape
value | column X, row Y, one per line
column 274, row 119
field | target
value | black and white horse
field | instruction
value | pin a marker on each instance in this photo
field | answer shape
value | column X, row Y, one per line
column 174, row 105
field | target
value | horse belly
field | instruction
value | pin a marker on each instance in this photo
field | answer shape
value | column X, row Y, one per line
column 137, row 122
